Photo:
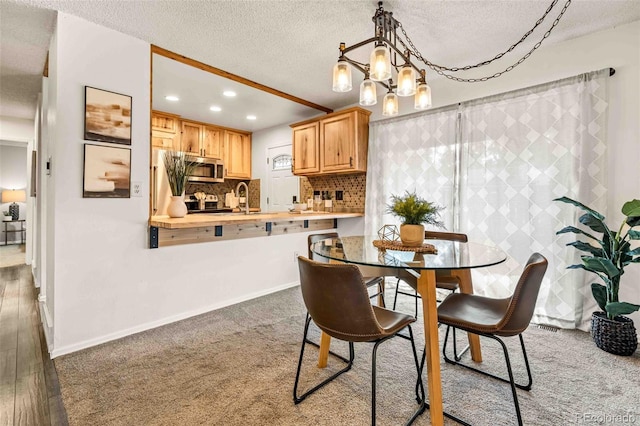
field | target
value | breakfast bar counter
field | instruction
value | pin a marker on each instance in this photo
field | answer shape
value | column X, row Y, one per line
column 203, row 227
column 204, row 219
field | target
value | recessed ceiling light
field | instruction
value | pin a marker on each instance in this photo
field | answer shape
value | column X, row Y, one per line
column 215, row 108
column 172, row 98
column 229, row 93
column 251, row 117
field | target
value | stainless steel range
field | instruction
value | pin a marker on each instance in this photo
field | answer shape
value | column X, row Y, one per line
column 208, row 204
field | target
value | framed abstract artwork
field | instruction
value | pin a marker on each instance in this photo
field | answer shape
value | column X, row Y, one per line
column 107, row 172
column 107, row 116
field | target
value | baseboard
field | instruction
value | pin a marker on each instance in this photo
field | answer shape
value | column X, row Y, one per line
column 47, row 322
column 34, row 275
column 64, row 350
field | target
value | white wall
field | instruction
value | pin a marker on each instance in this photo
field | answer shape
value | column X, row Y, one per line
column 618, row 48
column 105, row 281
column 16, row 129
column 13, row 167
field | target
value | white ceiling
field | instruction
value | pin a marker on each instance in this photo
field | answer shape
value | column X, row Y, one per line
column 289, row 45
column 198, row 90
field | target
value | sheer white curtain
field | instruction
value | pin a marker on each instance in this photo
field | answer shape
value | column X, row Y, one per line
column 516, row 153
column 410, row 153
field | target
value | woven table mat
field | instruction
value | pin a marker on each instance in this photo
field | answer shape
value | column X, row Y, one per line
column 397, row 245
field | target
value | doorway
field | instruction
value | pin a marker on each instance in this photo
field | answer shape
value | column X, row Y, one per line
column 282, row 185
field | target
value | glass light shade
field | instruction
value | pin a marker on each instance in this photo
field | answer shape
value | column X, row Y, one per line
column 342, row 76
column 380, row 64
column 368, row 92
column 390, row 104
column 423, row 96
column 406, row 81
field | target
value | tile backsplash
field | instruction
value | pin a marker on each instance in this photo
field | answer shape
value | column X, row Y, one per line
column 222, row 188
column 353, row 187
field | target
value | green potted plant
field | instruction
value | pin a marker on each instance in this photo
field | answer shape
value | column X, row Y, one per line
column 607, row 255
column 414, row 212
column 6, row 216
column 178, row 168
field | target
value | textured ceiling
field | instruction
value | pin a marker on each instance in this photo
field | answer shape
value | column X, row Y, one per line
column 292, row 45
column 24, row 41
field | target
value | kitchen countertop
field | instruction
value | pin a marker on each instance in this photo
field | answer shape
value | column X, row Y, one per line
column 205, row 219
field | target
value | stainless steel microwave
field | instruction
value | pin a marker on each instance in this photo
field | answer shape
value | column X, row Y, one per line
column 207, row 170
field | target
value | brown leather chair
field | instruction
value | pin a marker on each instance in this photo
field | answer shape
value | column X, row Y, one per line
column 497, row 317
column 369, row 281
column 338, row 303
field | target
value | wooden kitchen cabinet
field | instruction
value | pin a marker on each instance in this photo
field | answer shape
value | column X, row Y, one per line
column 191, row 136
column 342, row 143
column 212, row 142
column 200, row 140
column 306, row 149
column 165, row 132
column 237, row 155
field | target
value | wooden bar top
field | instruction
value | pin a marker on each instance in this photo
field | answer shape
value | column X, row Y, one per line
column 205, row 219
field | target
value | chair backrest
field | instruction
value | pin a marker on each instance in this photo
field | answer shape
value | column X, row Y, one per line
column 337, row 300
column 449, row 236
column 445, row 274
column 315, row 238
column 523, row 300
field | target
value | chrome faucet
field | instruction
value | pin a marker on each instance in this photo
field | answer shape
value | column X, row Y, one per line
column 246, row 196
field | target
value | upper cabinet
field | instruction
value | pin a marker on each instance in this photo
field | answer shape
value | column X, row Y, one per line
column 306, row 148
column 201, row 140
column 165, row 130
column 212, row 142
column 191, row 138
column 334, row 143
column 237, row 155
column 204, row 140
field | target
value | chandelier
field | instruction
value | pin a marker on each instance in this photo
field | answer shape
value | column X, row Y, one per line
column 395, row 54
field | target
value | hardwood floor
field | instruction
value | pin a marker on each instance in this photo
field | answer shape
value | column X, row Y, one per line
column 29, row 389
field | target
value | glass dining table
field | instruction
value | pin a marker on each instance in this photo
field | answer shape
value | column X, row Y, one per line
column 418, row 270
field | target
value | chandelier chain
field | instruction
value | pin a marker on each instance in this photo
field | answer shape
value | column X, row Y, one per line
column 441, row 69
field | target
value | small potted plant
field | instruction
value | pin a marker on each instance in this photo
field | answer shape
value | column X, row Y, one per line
column 6, row 216
column 178, row 168
column 607, row 258
column 414, row 212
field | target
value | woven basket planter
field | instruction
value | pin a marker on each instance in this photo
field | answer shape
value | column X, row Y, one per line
column 617, row 336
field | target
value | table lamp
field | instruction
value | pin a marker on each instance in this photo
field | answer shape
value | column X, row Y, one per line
column 14, row 196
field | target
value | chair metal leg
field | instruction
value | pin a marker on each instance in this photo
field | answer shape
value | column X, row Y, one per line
column 317, row 345
column 511, row 380
column 414, row 295
column 458, row 356
column 297, row 399
column 395, row 298
column 424, row 405
column 420, row 409
column 526, row 386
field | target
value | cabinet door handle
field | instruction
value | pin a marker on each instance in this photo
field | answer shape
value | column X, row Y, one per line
column 350, row 161
column 204, row 152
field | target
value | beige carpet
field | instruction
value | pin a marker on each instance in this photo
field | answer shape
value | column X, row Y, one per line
column 236, row 366
column 12, row 255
